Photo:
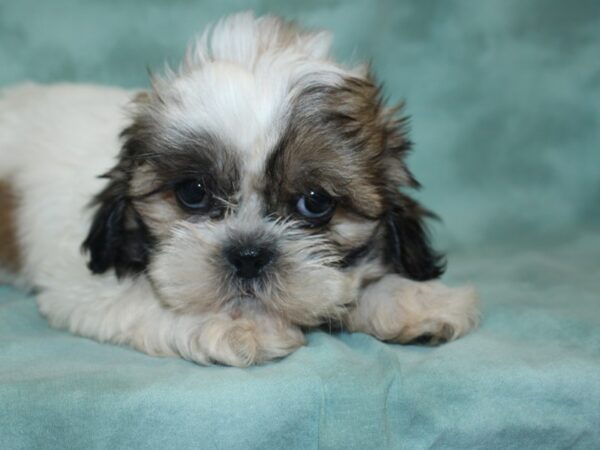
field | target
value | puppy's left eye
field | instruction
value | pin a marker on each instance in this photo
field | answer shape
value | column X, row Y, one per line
column 316, row 206
column 193, row 196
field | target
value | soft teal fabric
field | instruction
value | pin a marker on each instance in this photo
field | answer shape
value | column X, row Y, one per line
column 505, row 104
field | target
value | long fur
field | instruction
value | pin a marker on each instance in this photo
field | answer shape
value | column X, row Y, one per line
column 260, row 115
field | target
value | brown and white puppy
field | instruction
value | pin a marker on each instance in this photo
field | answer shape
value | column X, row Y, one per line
column 256, row 191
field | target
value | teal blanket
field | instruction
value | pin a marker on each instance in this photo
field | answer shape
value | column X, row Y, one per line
column 505, row 105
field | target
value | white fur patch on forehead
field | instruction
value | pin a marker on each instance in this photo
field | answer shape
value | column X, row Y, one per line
column 229, row 102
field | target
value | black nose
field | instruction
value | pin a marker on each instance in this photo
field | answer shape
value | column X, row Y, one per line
column 249, row 261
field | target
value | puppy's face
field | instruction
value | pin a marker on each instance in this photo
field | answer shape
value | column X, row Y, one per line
column 273, row 185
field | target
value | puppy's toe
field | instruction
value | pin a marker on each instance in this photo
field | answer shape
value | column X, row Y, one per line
column 445, row 333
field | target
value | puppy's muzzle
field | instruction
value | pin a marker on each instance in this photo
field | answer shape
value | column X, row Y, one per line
column 249, row 261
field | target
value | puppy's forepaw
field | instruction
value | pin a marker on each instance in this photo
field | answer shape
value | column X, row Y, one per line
column 440, row 313
column 399, row 310
column 240, row 343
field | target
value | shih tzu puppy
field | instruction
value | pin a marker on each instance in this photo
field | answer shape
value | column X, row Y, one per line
column 257, row 191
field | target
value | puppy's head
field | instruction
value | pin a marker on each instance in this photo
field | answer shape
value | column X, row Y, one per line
column 262, row 174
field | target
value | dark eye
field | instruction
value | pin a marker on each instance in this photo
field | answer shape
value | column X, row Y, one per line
column 193, row 196
column 316, row 206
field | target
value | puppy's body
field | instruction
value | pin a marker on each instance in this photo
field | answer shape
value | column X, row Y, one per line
column 53, row 141
column 255, row 192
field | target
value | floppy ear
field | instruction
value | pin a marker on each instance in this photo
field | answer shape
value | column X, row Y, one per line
column 118, row 238
column 407, row 242
column 408, row 249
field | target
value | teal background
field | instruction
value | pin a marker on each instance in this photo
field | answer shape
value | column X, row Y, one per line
column 505, row 104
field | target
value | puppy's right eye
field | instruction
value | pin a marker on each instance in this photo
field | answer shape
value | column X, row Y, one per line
column 193, row 196
column 316, row 206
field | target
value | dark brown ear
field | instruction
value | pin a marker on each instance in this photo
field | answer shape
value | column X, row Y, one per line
column 118, row 238
column 408, row 249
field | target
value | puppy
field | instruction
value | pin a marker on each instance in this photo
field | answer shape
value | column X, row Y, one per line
column 257, row 191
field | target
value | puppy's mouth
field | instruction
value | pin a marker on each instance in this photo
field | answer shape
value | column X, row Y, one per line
column 252, row 293
column 248, row 292
column 238, row 304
